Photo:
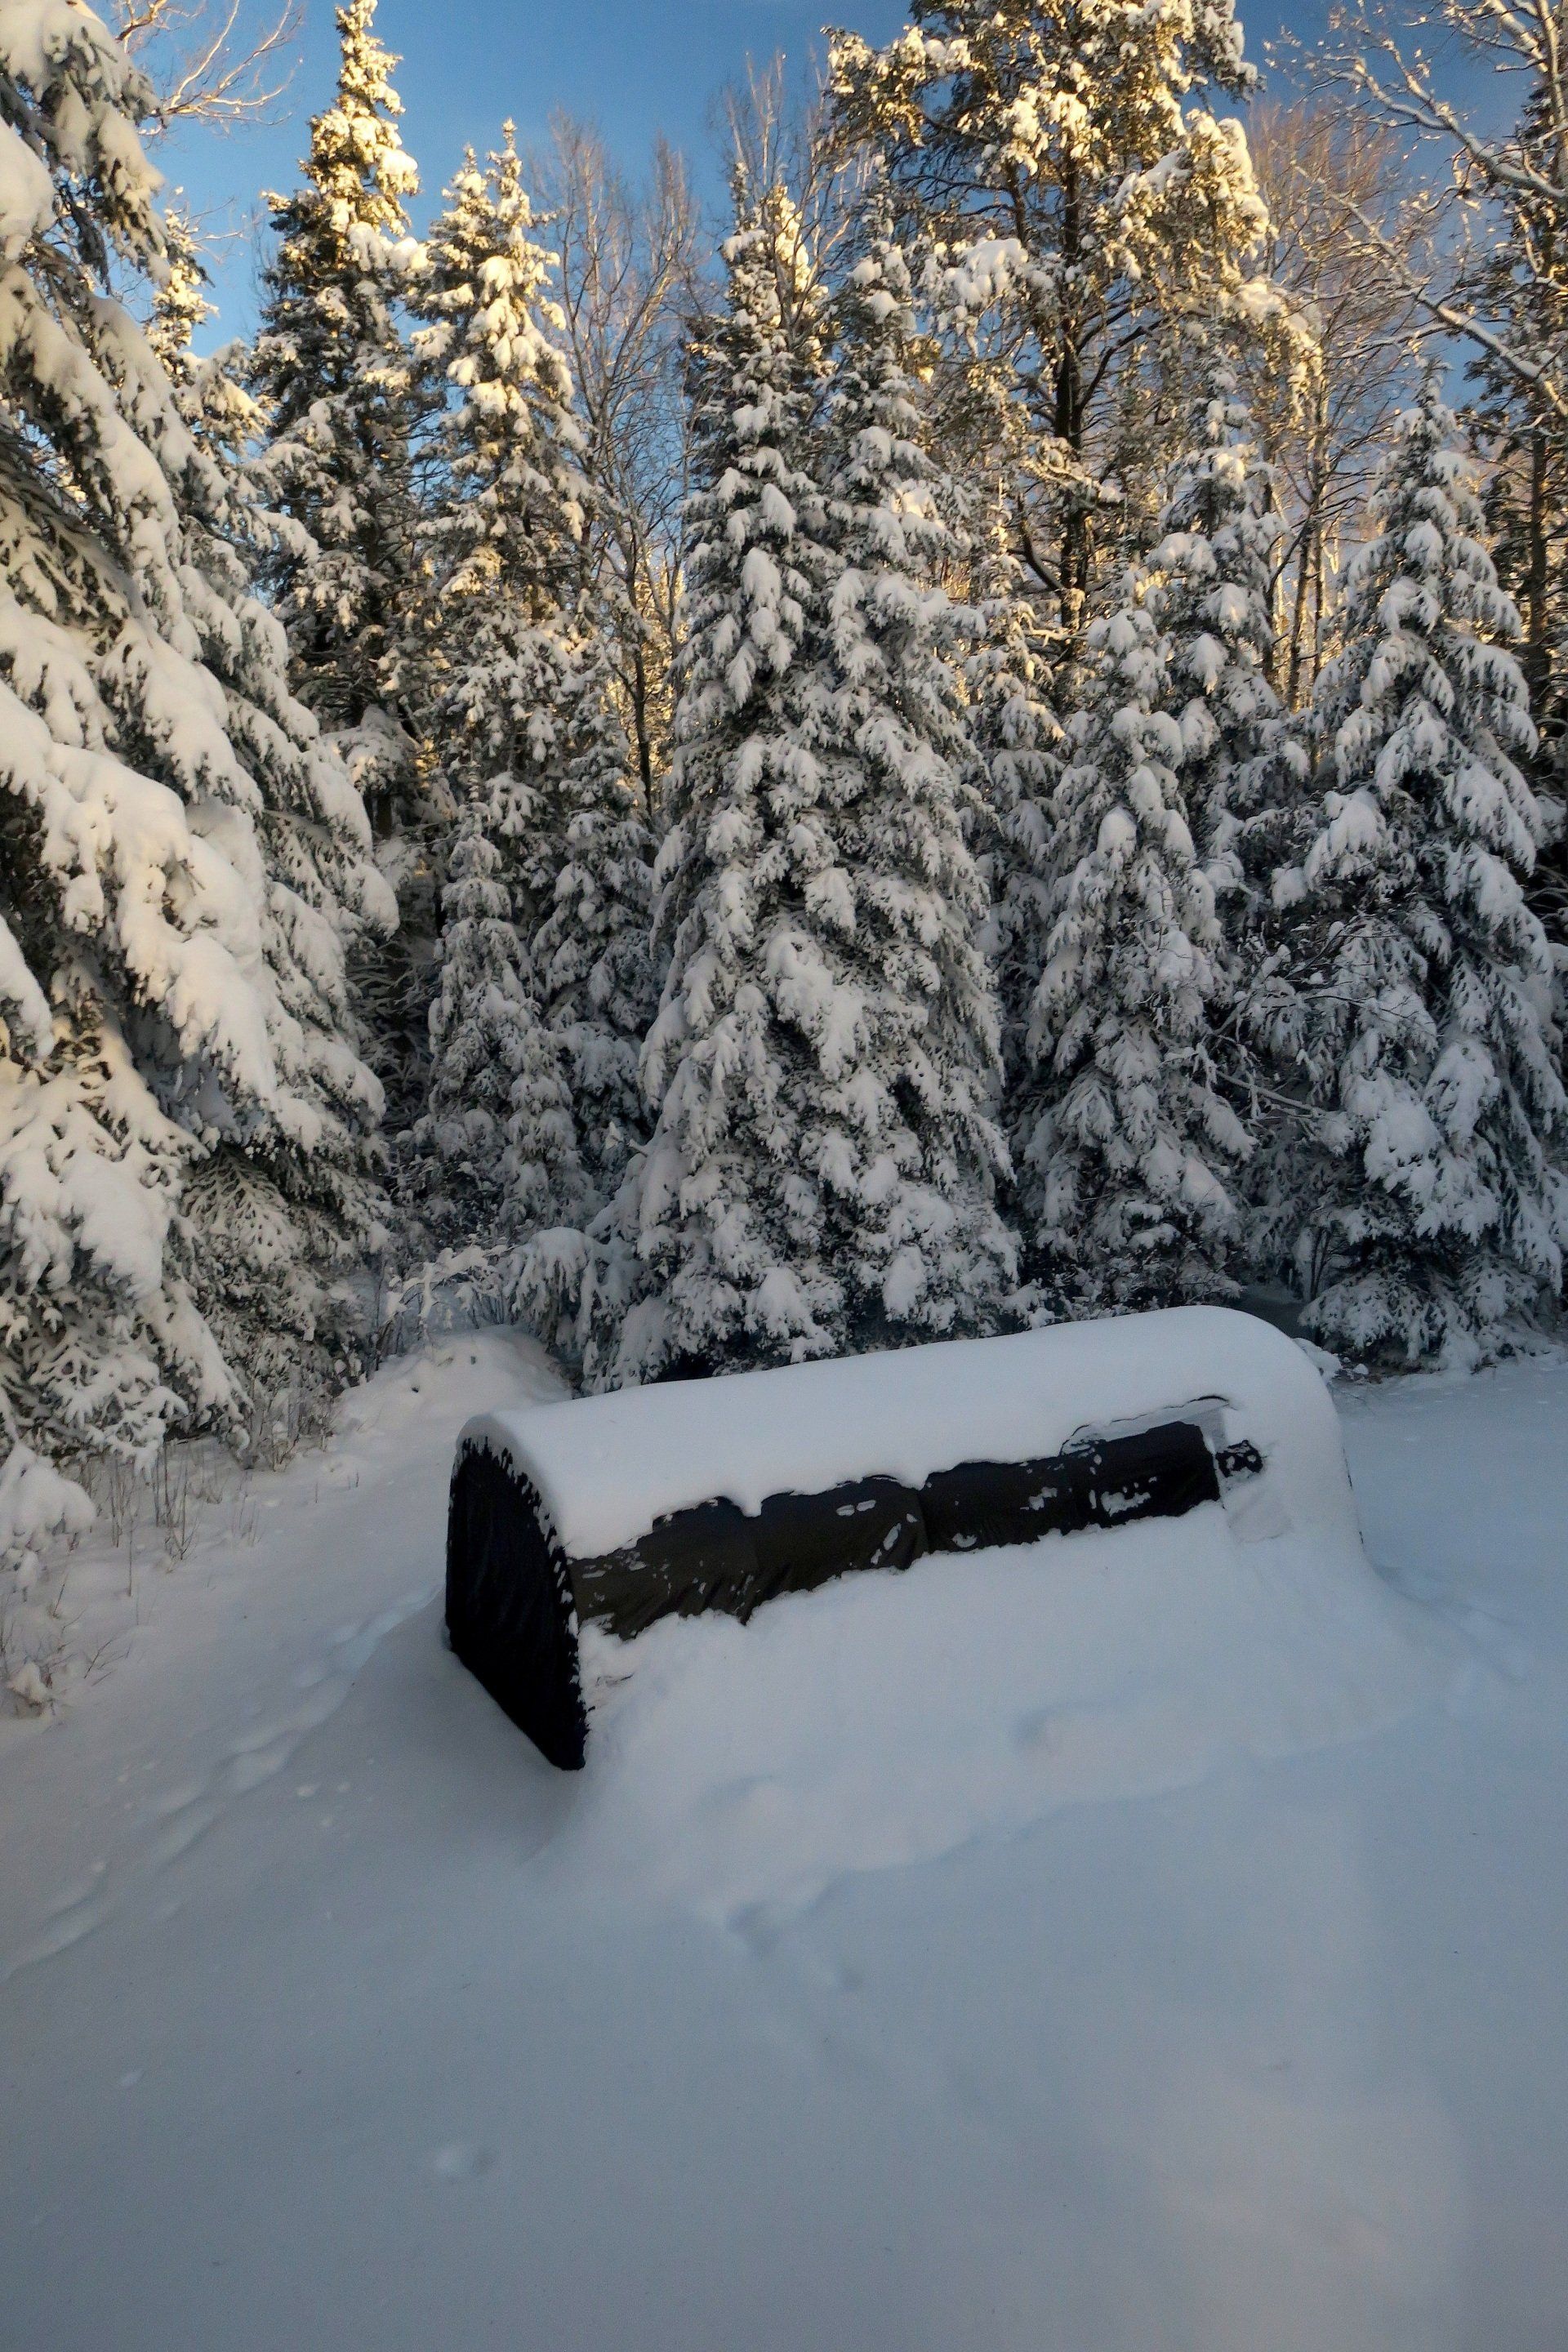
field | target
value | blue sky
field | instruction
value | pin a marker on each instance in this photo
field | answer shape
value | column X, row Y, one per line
column 636, row 68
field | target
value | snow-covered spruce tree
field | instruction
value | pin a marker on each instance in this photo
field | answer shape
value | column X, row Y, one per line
column 179, row 304
column 1242, row 764
column 1510, row 303
column 1123, row 1146
column 525, row 706
column 1246, row 774
column 757, row 583
column 1429, row 1211
column 1070, row 167
column 332, row 373
column 494, row 1068
column 598, row 988
column 822, row 1170
column 1017, row 744
column 343, row 407
column 182, row 1116
column 503, row 545
column 906, row 901
column 225, row 420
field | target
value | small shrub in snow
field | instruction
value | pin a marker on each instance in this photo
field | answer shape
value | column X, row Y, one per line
column 36, row 1506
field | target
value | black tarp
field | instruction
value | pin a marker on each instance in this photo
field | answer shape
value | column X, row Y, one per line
column 512, row 1599
column 511, row 1612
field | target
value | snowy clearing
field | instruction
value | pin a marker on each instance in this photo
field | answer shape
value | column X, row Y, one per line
column 1107, row 1944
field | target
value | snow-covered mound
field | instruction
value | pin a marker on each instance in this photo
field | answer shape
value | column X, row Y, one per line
column 779, row 1448
column 890, row 1719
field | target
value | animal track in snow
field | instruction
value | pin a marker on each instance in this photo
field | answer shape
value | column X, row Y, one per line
column 177, row 1817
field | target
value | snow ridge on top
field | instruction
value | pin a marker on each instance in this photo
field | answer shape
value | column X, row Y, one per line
column 606, row 1467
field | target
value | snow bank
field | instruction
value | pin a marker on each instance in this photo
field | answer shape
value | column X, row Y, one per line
column 885, row 1721
column 606, row 1468
column 35, row 1504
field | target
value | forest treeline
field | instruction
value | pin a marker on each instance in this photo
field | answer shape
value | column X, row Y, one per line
column 988, row 750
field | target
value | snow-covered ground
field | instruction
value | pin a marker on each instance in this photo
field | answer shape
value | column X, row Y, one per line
column 1107, row 1947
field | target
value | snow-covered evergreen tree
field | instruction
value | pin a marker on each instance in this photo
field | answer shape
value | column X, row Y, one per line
column 822, row 1167
column 496, row 1075
column 1430, row 1212
column 593, row 952
column 1018, row 747
column 1082, row 184
column 182, row 1112
column 225, row 420
column 638, row 1294
column 1124, row 1147
column 524, row 704
column 504, row 542
column 180, row 306
column 333, row 373
column 1214, row 564
column 902, row 939
column 343, row 407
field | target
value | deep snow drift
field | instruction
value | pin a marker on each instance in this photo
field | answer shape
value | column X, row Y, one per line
column 1142, row 1940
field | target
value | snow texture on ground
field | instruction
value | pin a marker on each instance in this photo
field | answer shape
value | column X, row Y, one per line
column 1138, row 1942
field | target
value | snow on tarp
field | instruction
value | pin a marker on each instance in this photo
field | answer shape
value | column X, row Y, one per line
column 607, row 1468
column 718, row 1495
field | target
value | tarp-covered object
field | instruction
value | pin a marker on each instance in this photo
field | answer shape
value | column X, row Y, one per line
column 721, row 1493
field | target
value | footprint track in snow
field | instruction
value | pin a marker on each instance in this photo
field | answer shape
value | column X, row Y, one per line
column 176, row 1818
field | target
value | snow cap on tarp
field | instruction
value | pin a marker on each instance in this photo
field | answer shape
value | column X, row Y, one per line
column 605, row 1469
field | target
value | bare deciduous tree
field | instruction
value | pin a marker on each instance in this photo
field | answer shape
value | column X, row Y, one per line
column 209, row 60
column 1324, row 170
column 628, row 262
column 1510, row 183
column 780, row 134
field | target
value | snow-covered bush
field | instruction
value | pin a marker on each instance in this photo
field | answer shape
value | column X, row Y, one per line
column 36, row 1506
